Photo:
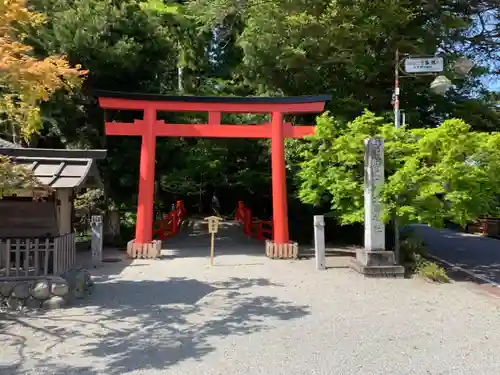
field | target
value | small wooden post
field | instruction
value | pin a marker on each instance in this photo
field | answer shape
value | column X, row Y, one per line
column 319, row 241
column 213, row 227
column 212, row 240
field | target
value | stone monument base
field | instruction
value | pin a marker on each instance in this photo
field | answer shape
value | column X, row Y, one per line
column 288, row 250
column 150, row 250
column 376, row 264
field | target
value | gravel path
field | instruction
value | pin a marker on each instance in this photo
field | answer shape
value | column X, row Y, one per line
column 251, row 315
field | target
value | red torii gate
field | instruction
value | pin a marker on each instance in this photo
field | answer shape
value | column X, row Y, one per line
column 150, row 127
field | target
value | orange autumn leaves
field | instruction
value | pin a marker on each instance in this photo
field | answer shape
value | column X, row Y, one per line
column 26, row 80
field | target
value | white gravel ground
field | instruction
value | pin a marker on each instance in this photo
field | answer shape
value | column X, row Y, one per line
column 251, row 315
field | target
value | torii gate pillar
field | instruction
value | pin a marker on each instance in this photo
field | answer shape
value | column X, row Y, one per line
column 145, row 204
column 278, row 171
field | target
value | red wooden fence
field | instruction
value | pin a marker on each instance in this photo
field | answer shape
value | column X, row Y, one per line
column 253, row 226
column 170, row 224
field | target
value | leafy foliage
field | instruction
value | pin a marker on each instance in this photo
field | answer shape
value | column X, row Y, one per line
column 433, row 175
column 255, row 47
column 346, row 48
column 25, row 79
column 13, row 176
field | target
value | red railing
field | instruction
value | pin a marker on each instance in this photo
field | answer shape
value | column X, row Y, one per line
column 253, row 226
column 170, row 224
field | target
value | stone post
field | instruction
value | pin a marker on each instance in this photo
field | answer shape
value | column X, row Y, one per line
column 374, row 260
column 319, row 241
column 374, row 179
column 96, row 244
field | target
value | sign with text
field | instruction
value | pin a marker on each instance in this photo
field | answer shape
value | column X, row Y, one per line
column 213, row 227
column 423, row 64
column 213, row 224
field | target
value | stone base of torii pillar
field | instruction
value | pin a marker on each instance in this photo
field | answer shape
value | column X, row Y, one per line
column 288, row 250
column 374, row 260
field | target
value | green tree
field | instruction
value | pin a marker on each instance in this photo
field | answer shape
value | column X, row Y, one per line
column 347, row 48
column 123, row 46
column 432, row 175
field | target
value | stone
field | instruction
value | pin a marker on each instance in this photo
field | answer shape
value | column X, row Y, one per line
column 377, row 264
column 54, row 302
column 376, row 258
column 80, row 279
column 59, row 288
column 88, row 279
column 76, row 278
column 21, row 289
column 319, row 241
column 14, row 303
column 96, row 226
column 41, row 289
column 374, row 179
column 387, row 271
column 32, row 303
column 6, row 288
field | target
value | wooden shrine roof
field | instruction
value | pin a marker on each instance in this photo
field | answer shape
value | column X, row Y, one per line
column 58, row 168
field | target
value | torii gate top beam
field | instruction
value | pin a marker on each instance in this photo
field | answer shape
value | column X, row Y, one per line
column 225, row 104
column 215, row 106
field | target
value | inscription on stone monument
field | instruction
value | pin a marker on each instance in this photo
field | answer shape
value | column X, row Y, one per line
column 374, row 178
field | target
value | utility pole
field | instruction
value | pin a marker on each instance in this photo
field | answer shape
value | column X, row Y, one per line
column 397, row 115
column 397, row 124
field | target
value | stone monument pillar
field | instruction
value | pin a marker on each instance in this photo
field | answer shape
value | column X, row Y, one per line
column 96, row 225
column 374, row 179
column 374, row 260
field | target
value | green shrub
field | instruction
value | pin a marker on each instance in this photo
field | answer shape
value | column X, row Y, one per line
column 432, row 271
column 413, row 254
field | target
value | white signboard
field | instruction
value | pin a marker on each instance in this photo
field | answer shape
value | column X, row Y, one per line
column 424, row 64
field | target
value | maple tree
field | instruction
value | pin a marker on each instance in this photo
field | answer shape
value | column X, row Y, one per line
column 25, row 79
column 25, row 82
column 14, row 176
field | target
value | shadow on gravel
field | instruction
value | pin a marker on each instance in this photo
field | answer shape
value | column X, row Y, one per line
column 155, row 324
